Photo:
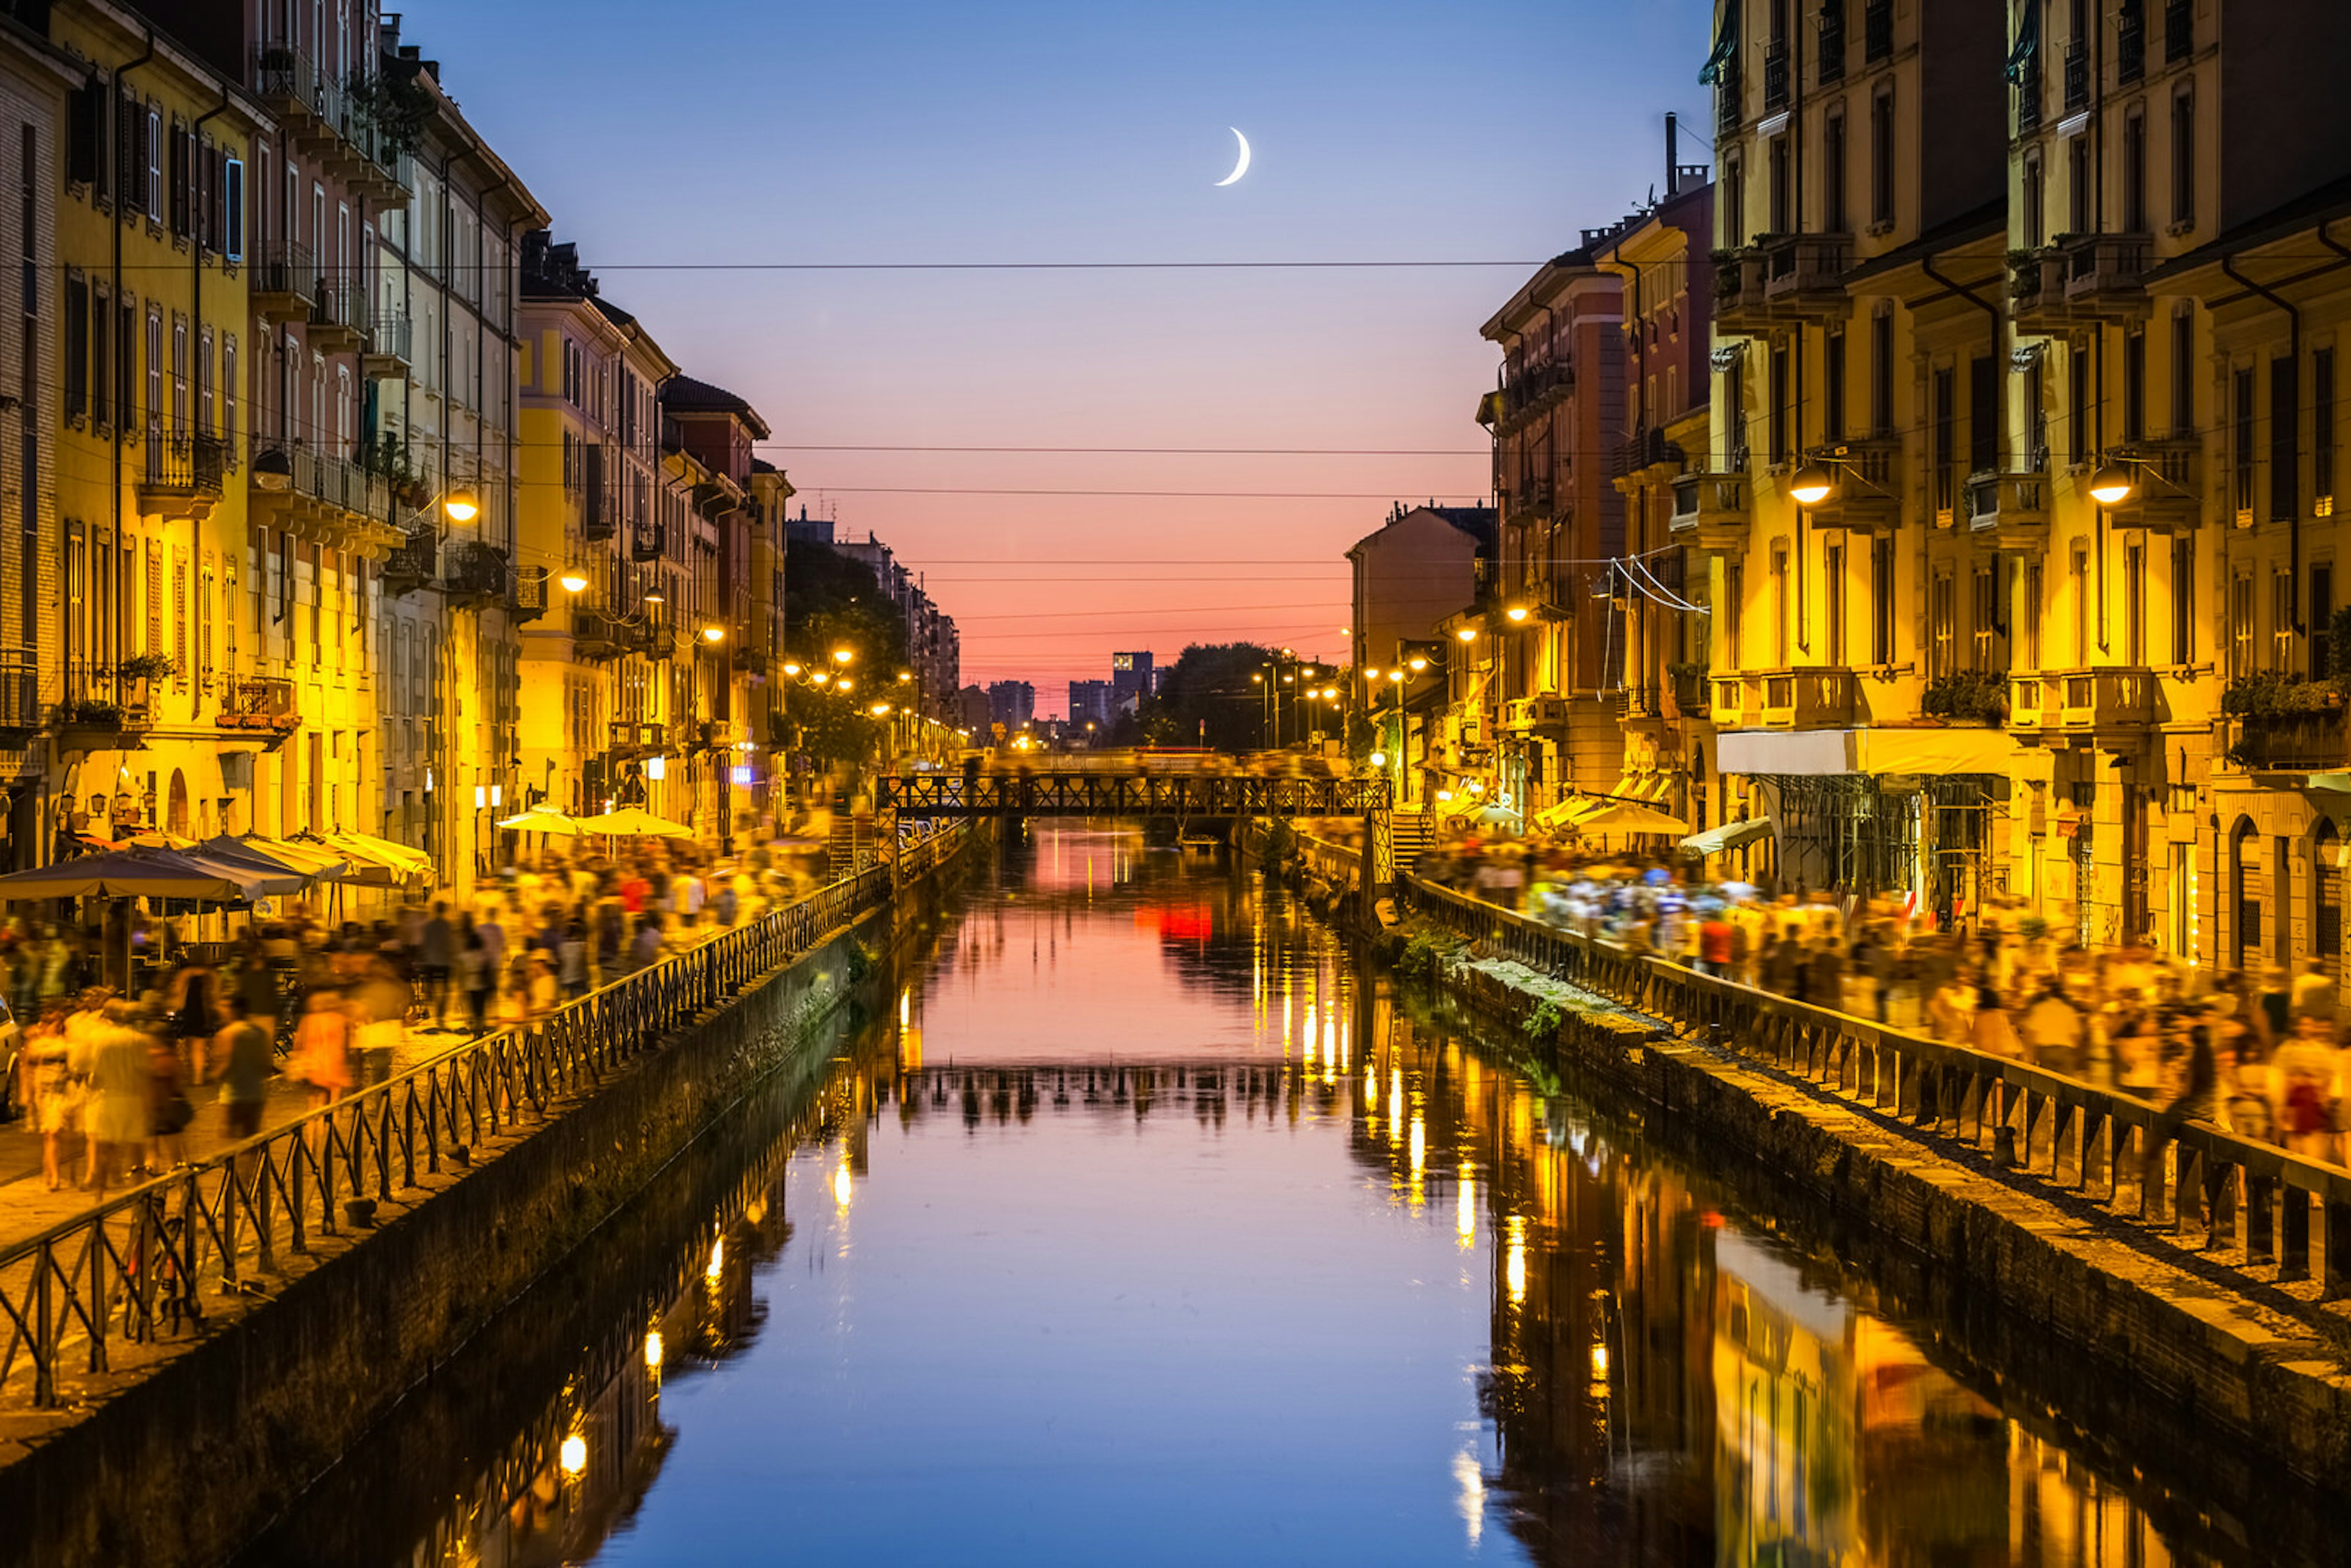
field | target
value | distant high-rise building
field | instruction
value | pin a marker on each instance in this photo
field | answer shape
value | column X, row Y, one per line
column 1012, row 704
column 1091, row 702
column 973, row 710
column 1130, row 677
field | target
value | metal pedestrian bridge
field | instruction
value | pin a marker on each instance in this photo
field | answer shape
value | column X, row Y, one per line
column 1088, row 794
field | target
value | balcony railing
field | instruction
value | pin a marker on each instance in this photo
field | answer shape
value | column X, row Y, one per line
column 2027, row 93
column 2290, row 742
column 1878, row 31
column 2178, row 30
column 20, row 693
column 1806, row 267
column 390, row 334
column 1729, row 113
column 263, row 703
column 1831, row 59
column 1869, row 486
column 184, row 475
column 1775, row 77
column 1813, row 699
column 2077, row 77
column 2130, row 42
column 1711, row 510
column 338, row 315
column 648, row 541
column 100, row 697
column 476, row 573
column 284, row 279
column 2115, row 697
column 2012, row 508
column 411, row 562
column 2170, row 493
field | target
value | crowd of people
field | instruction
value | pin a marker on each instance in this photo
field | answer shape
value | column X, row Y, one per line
column 2263, row 1053
column 122, row 1070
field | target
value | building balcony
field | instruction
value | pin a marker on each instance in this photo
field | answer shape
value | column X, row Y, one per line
column 529, row 601
column 2011, row 510
column 104, row 709
column 388, row 354
column 2079, row 280
column 1529, row 392
column 411, row 564
column 477, row 577
column 1877, row 30
column 182, row 481
column 1647, row 451
column 283, row 281
column 648, row 542
column 1711, row 510
column 20, row 696
column 296, row 91
column 2083, row 702
column 1815, row 698
column 328, row 500
column 264, row 706
column 600, row 507
column 1686, row 692
column 2311, row 742
column 1783, row 280
column 631, row 739
column 2170, row 494
column 2077, row 77
column 339, row 316
column 1868, row 494
column 596, row 636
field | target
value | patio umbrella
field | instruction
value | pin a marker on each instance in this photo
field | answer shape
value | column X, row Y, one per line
column 265, row 877
column 1492, row 815
column 544, row 819
column 631, row 822
column 312, row 861
column 135, row 873
column 372, row 860
column 1631, row 819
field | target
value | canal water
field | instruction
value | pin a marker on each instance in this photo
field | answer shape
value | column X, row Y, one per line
column 1132, row 1222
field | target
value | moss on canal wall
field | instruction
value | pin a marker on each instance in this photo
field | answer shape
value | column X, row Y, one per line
column 2177, row 1349
column 184, row 1460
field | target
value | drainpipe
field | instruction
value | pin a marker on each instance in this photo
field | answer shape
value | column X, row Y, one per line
column 114, row 304
column 2293, row 351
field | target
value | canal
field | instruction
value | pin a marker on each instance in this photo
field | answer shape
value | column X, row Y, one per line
column 1130, row 1219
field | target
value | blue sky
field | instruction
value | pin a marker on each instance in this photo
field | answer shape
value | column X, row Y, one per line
column 721, row 131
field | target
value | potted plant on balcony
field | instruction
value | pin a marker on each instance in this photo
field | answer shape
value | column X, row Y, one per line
column 1686, row 689
column 138, row 672
column 1966, row 696
column 2024, row 273
column 390, row 457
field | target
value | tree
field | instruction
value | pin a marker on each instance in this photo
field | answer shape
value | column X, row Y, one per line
column 833, row 601
column 1207, row 691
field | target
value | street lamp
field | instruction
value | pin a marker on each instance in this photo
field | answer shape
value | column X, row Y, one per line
column 714, row 634
column 2112, row 485
column 1516, row 612
column 843, row 656
column 1812, row 484
column 573, row 579
column 461, row 505
column 1467, row 633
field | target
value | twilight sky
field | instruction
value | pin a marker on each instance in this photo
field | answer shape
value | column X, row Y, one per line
column 774, row 130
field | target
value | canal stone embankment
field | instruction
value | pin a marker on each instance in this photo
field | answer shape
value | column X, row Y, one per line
column 2252, row 1375
column 214, row 1440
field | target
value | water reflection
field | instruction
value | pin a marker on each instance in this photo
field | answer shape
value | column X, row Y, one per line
column 1140, row 1224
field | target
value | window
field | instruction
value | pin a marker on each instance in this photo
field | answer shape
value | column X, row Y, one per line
column 2079, row 185
column 2135, row 174
column 154, row 185
column 154, row 409
column 1783, row 190
column 1881, row 599
column 2077, row 597
column 1942, row 623
column 76, row 388
column 2029, row 612
column 1983, row 414
column 179, row 376
column 228, row 394
column 1832, row 385
column 2081, row 441
column 102, row 357
column 2030, row 201
column 2321, row 614
column 2135, row 386
column 204, row 425
column 2183, row 372
column 2240, row 439
column 1946, row 439
column 2281, row 620
column 1835, row 218
column 85, row 132
column 1777, row 428
column 1881, row 158
column 2036, row 413
column 1881, row 373
column 2322, row 432
column 2183, row 598
column 2183, row 159
column 232, row 234
column 1734, row 203
column 1834, row 606
column 1779, row 604
column 1991, row 643
column 2135, row 604
column 2285, row 421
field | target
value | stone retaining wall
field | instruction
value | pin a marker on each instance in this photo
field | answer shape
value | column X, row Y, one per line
column 2218, row 1362
column 185, row 1460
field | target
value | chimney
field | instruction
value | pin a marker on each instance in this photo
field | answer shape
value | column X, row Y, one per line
column 1673, row 155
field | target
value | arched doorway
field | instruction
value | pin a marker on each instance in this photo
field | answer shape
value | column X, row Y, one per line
column 2326, row 896
column 2249, row 882
column 175, row 817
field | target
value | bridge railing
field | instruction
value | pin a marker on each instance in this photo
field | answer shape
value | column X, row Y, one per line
column 1129, row 795
column 137, row 1267
column 2249, row 1205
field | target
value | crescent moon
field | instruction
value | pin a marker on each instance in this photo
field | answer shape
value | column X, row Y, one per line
column 1241, row 167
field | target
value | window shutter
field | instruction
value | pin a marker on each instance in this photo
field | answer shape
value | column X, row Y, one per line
column 129, row 151
column 154, row 598
column 179, row 618
column 233, row 209
column 177, row 171
column 84, row 112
